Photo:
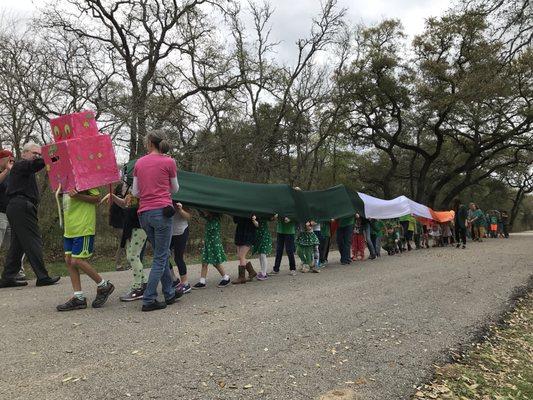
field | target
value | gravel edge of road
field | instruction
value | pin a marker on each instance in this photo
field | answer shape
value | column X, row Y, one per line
column 480, row 335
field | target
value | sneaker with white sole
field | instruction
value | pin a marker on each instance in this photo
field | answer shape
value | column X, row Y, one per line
column 200, row 285
column 224, row 282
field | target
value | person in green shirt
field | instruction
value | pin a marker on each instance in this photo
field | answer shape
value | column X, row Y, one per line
column 325, row 228
column 286, row 230
column 344, row 238
column 79, row 210
column 377, row 229
column 478, row 221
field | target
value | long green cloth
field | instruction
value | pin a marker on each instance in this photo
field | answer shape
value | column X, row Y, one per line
column 243, row 199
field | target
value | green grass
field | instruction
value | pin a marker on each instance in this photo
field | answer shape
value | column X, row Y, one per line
column 500, row 368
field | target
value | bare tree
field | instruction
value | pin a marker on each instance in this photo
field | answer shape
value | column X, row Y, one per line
column 141, row 36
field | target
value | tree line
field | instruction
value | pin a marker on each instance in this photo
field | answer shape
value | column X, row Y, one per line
column 445, row 113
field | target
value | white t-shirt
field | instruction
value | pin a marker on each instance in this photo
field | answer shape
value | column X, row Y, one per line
column 179, row 224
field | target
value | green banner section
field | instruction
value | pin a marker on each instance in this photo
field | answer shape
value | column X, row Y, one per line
column 243, row 199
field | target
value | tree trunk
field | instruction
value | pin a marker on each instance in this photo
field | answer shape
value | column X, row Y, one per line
column 516, row 206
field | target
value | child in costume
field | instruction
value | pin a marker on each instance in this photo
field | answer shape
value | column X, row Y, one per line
column 79, row 210
column 262, row 245
column 358, row 240
column 133, row 239
column 390, row 241
column 436, row 234
column 213, row 252
column 306, row 242
column 245, row 231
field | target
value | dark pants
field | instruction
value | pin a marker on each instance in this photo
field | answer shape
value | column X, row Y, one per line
column 460, row 234
column 178, row 244
column 324, row 249
column 25, row 239
column 344, row 241
column 286, row 241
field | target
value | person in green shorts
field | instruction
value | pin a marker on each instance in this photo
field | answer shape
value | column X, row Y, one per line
column 213, row 252
column 79, row 210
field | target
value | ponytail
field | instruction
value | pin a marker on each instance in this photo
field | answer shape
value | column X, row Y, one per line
column 158, row 139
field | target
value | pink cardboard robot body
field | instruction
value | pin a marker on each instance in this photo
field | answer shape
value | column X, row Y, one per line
column 81, row 158
column 74, row 126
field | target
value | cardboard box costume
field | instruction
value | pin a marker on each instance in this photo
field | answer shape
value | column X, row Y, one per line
column 80, row 158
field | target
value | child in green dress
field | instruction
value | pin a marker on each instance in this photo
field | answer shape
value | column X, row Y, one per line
column 262, row 245
column 213, row 252
column 305, row 243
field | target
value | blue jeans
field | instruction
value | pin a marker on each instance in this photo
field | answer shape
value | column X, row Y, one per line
column 159, row 232
column 370, row 245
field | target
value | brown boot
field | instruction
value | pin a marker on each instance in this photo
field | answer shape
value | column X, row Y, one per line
column 251, row 271
column 242, row 276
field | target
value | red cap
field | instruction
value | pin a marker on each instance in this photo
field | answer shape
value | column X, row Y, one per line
column 5, row 153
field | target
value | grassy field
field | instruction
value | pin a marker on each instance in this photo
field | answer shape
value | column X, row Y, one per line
column 500, row 368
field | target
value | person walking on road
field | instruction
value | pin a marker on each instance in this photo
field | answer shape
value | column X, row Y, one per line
column 23, row 200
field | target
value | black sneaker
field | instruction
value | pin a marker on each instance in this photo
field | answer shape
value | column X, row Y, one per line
column 12, row 283
column 73, row 304
column 49, row 280
column 200, row 285
column 132, row 295
column 102, row 294
column 156, row 305
column 224, row 283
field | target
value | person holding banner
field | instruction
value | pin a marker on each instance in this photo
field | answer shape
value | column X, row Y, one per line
column 154, row 179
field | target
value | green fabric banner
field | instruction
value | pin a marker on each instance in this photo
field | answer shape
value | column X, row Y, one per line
column 244, row 199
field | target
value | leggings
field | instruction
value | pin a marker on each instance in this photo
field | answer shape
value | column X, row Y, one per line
column 178, row 244
column 134, row 248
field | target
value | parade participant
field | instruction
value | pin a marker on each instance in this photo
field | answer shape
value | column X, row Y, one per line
column 79, row 209
column 133, row 240
column 180, row 235
column 244, row 240
column 460, row 218
column 286, row 230
column 23, row 199
column 358, row 240
column 213, row 252
column 262, row 245
column 154, row 179
column 306, row 241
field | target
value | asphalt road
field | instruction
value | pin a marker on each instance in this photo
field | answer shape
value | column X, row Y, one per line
column 374, row 328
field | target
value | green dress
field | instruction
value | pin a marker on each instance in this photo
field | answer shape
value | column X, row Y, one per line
column 305, row 246
column 213, row 252
column 263, row 240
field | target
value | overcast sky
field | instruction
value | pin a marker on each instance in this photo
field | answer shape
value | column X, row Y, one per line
column 292, row 18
